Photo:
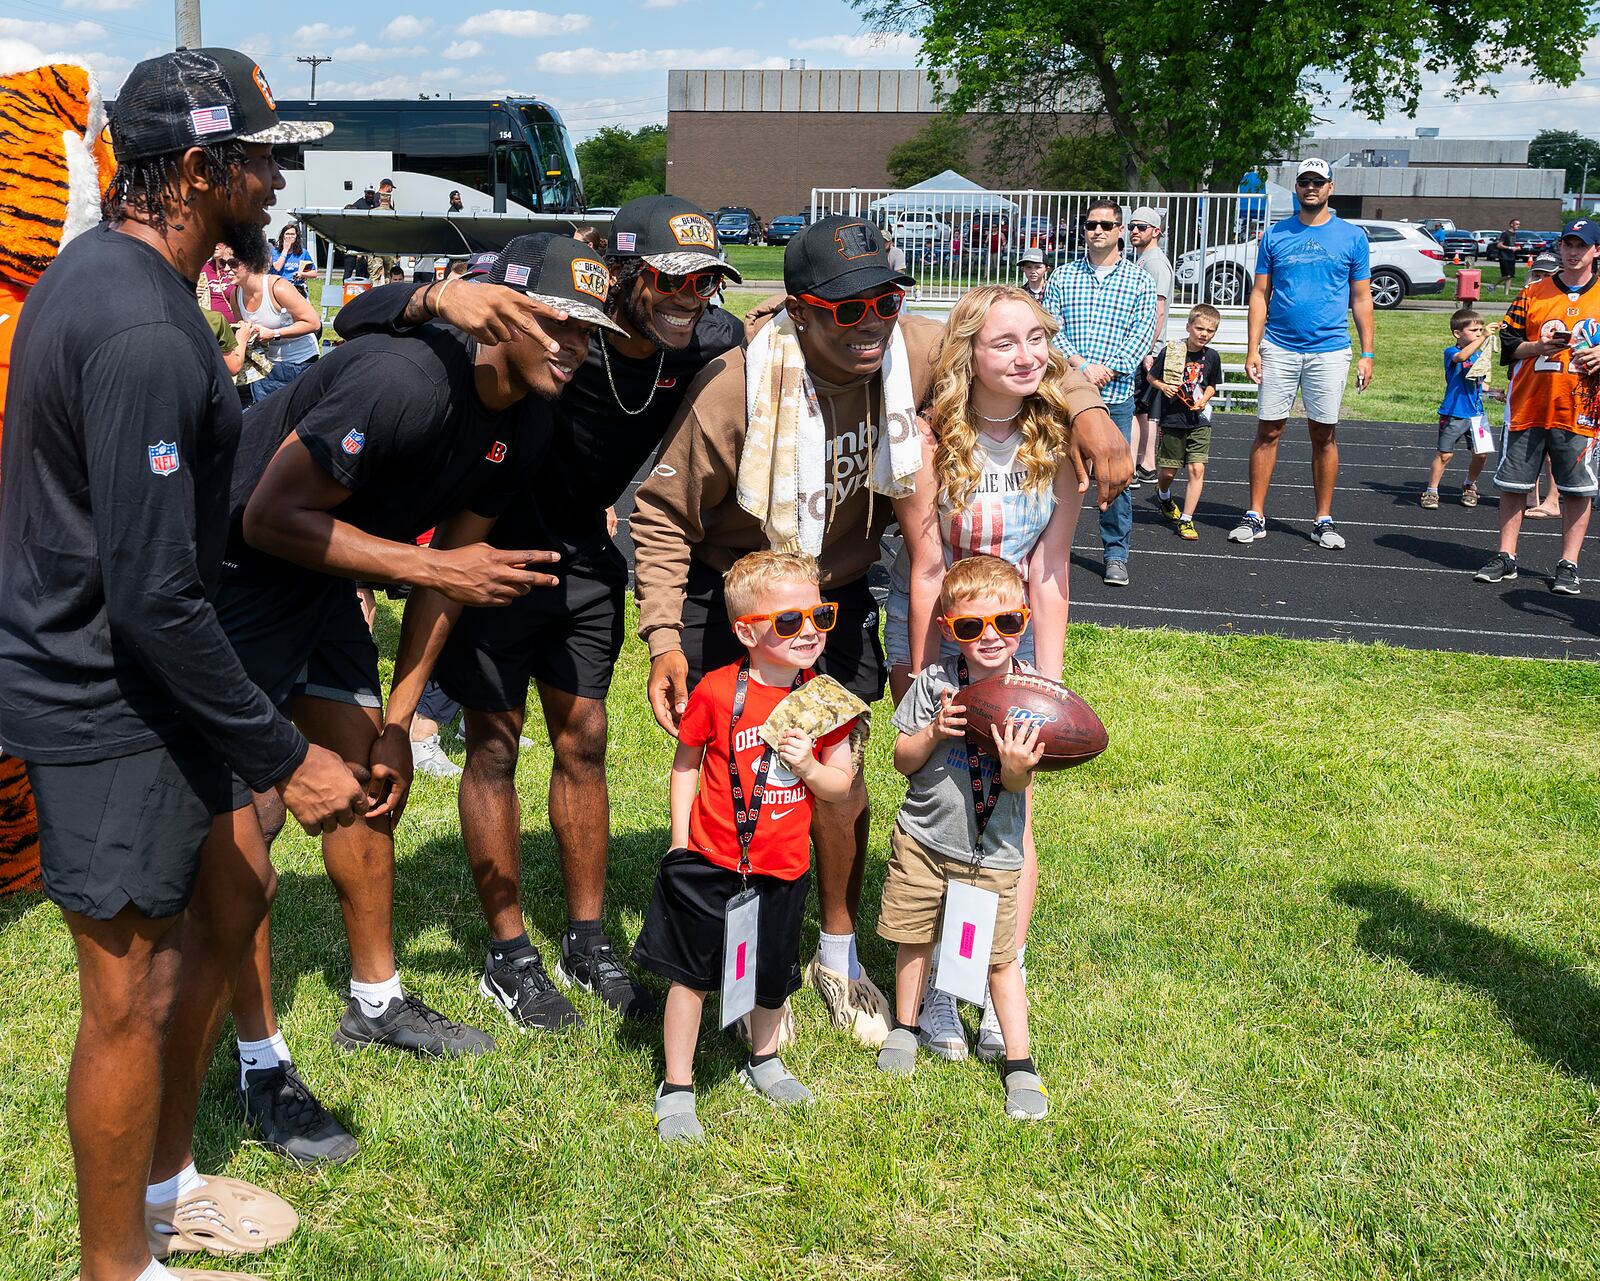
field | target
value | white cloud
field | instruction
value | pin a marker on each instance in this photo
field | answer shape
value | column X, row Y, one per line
column 868, row 46
column 52, row 35
column 611, row 62
column 662, row 4
column 522, row 22
column 100, row 6
column 462, row 84
column 111, row 70
column 462, row 49
column 321, row 31
column 364, row 52
column 257, row 46
column 406, row 27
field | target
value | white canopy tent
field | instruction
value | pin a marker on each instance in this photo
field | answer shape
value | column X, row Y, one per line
column 944, row 193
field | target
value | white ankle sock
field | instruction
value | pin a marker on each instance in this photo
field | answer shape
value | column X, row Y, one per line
column 835, row 950
column 260, row 1056
column 157, row 1271
column 180, row 1184
column 1165, row 495
column 375, row 997
column 855, row 961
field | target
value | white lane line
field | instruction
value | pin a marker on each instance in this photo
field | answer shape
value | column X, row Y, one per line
column 1331, row 562
column 1329, row 622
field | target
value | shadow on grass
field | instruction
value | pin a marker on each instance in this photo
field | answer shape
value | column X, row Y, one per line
column 1553, row 1007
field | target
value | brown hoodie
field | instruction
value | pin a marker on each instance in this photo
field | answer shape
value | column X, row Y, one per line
column 688, row 506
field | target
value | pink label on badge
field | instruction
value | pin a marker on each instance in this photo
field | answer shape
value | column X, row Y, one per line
column 738, row 962
column 969, row 934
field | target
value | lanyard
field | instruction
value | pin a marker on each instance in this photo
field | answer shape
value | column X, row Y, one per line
column 982, row 806
column 745, row 816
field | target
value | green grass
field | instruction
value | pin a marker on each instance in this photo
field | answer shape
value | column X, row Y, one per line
column 1315, row 987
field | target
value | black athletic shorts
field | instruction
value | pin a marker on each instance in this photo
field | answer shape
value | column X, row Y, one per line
column 1522, row 455
column 129, row 829
column 300, row 633
column 684, row 928
column 853, row 655
column 567, row 636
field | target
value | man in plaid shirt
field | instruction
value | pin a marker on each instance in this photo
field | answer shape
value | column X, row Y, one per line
column 1107, row 307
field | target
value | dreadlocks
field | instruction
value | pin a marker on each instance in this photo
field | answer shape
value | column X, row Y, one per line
column 624, row 271
column 147, row 185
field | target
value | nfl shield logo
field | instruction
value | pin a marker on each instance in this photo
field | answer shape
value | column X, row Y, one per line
column 164, row 458
column 353, row 440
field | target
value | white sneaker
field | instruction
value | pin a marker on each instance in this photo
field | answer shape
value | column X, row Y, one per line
column 939, row 1026
column 427, row 757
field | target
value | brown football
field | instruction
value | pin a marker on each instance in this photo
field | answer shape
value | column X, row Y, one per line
column 1070, row 731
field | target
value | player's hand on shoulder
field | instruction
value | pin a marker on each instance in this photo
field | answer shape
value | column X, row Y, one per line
column 323, row 792
column 479, row 574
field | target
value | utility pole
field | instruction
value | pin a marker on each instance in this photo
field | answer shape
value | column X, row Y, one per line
column 315, row 62
column 188, row 22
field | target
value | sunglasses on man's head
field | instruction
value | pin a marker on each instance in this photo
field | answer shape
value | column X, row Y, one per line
column 970, row 627
column 1310, row 180
column 786, row 623
column 1096, row 224
column 852, row 311
column 702, row 284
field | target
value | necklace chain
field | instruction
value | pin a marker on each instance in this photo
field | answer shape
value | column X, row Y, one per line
column 1011, row 417
column 605, row 359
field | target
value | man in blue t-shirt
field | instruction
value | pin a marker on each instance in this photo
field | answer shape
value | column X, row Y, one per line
column 1311, row 270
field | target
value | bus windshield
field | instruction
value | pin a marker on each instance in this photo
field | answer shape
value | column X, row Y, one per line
column 561, row 186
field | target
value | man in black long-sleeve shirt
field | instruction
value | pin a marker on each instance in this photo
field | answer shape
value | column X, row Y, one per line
column 117, row 686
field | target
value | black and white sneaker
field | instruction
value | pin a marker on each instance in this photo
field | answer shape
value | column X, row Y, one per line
column 407, row 1024
column 1566, row 580
column 287, row 1117
column 526, row 996
column 596, row 969
column 1501, row 569
column 1325, row 534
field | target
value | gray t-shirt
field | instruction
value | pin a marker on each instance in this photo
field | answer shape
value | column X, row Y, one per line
column 1160, row 270
column 938, row 807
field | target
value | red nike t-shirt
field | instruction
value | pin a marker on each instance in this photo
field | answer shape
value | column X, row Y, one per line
column 782, row 844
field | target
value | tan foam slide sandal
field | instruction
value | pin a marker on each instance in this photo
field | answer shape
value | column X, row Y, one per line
column 222, row 1216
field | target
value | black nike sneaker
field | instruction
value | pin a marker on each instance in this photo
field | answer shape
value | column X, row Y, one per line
column 288, row 1118
column 526, row 996
column 596, row 969
column 407, row 1024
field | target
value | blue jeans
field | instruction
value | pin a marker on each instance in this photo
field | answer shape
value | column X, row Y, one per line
column 1116, row 522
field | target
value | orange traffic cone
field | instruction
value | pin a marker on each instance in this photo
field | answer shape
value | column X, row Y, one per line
column 1456, row 261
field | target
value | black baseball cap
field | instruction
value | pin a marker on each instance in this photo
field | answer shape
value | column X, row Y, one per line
column 839, row 257
column 195, row 97
column 559, row 271
column 670, row 234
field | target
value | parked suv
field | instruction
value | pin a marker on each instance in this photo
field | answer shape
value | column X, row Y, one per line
column 1405, row 260
column 739, row 227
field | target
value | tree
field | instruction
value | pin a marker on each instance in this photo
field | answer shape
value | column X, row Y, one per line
column 1565, row 149
column 619, row 166
column 1082, row 162
column 939, row 145
column 1199, row 93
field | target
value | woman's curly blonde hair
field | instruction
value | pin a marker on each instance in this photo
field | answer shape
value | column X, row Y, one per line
column 1044, row 420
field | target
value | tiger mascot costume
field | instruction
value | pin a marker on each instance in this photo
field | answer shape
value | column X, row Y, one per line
column 55, row 161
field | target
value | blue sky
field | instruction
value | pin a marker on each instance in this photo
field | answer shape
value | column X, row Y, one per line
column 607, row 64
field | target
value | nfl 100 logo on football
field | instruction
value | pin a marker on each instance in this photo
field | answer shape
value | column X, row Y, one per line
column 1028, row 718
column 164, row 458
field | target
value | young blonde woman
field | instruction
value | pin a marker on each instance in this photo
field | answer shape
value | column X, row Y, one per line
column 994, row 481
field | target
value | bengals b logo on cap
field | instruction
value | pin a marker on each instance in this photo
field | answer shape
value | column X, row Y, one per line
column 857, row 240
column 693, row 230
column 261, row 84
column 591, row 277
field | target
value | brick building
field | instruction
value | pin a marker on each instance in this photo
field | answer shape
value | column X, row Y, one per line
column 765, row 138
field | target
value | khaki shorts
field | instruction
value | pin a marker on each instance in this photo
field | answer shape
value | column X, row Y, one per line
column 913, row 895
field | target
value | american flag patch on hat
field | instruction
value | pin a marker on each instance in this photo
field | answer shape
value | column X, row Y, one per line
column 516, row 274
column 210, row 120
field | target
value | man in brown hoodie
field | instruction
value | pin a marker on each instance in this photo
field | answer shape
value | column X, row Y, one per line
column 688, row 528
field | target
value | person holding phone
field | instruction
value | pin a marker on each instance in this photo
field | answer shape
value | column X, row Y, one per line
column 290, row 260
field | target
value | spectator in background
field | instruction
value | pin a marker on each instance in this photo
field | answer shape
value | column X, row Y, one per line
column 1107, row 308
column 1505, row 249
column 217, row 278
column 1144, row 233
column 1034, row 273
column 379, row 265
column 590, row 235
column 897, row 255
column 283, row 317
column 455, row 203
column 292, row 262
column 397, row 273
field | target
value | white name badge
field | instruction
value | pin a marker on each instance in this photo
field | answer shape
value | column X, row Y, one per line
column 739, row 956
column 966, row 941
column 1482, row 437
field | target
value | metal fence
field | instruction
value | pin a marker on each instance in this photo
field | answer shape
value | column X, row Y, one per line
column 955, row 240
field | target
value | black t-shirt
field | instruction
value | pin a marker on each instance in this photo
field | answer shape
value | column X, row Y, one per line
column 396, row 419
column 597, row 447
column 1201, row 369
column 120, row 432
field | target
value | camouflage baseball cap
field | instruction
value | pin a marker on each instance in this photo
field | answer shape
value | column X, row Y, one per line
column 559, row 271
column 670, row 234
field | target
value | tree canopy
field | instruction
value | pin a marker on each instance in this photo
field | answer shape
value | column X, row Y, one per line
column 1198, row 93
column 619, row 166
column 1566, row 149
column 939, row 145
